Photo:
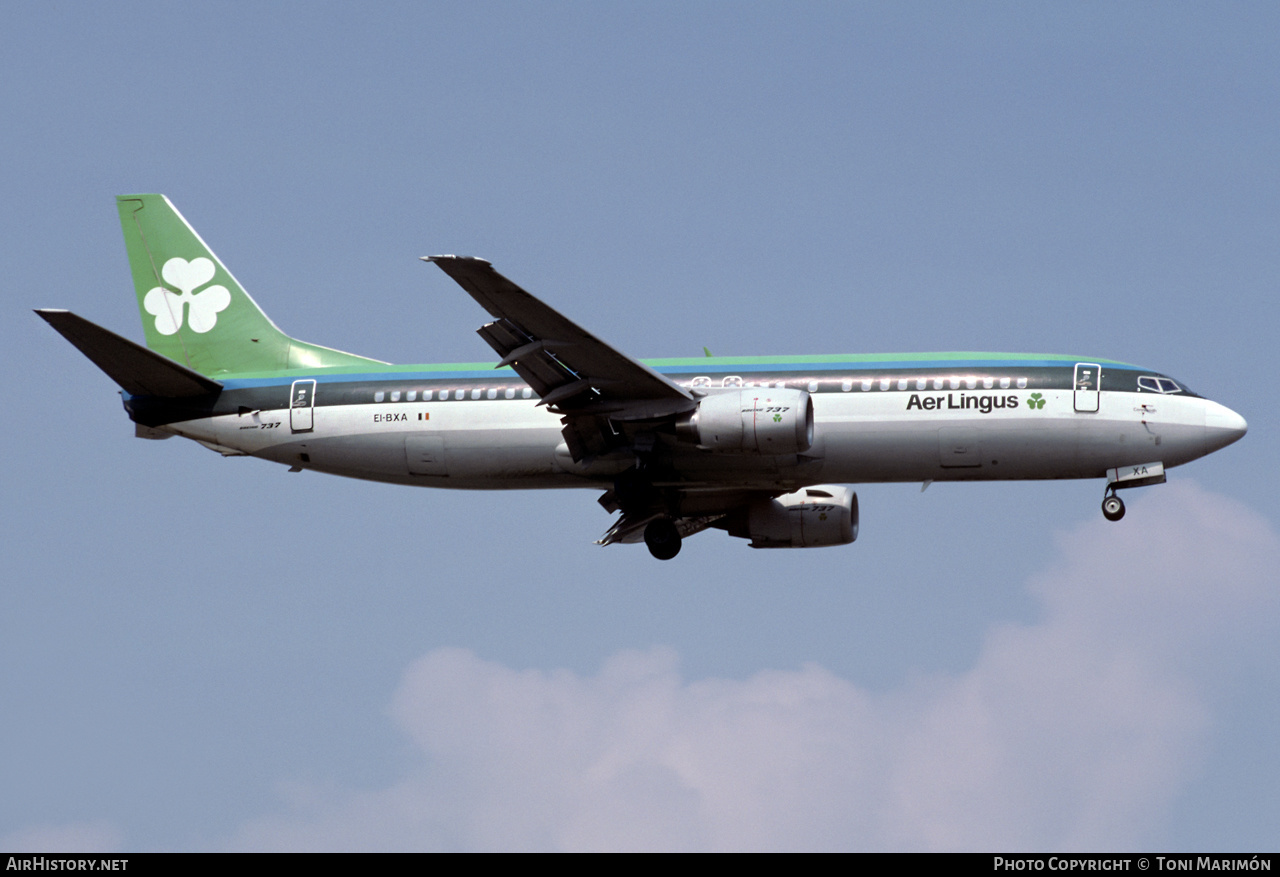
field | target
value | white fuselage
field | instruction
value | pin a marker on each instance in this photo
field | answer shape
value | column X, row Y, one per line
column 859, row 437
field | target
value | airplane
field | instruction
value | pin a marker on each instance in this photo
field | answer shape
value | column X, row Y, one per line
column 762, row 447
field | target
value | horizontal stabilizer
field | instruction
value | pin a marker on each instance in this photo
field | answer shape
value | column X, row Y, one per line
column 139, row 371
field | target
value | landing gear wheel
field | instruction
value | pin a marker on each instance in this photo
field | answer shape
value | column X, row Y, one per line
column 1112, row 507
column 663, row 538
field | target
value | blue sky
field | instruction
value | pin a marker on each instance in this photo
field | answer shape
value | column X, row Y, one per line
column 206, row 653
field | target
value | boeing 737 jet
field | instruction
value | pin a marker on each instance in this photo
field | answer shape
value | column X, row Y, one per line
column 761, row 447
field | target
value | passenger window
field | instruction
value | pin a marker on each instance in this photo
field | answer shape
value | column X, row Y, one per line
column 866, row 384
column 731, row 381
column 379, row 396
column 395, row 395
column 971, row 383
column 1022, row 383
column 526, row 393
column 459, row 394
column 492, row 394
column 697, row 382
column 988, row 383
column 846, row 386
column 813, row 386
column 510, row 393
column 426, row 395
column 411, row 396
column 1004, row 383
column 902, row 383
column 955, row 383
column 475, row 394
column 922, row 383
column 884, row 383
column 937, row 383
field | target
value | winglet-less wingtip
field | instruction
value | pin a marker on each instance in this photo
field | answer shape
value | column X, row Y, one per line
column 456, row 258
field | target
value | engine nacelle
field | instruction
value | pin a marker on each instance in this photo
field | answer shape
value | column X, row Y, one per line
column 755, row 420
column 825, row 514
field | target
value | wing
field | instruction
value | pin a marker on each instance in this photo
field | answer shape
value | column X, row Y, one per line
column 607, row 402
column 594, row 386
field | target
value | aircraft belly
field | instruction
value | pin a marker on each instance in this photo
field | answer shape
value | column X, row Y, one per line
column 470, row 447
column 924, row 449
column 748, row 471
column 502, row 455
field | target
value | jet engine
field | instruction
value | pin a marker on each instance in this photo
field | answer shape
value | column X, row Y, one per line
column 755, row 420
column 825, row 514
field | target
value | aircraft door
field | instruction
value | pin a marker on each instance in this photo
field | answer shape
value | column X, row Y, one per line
column 424, row 454
column 302, row 400
column 959, row 448
column 1087, row 383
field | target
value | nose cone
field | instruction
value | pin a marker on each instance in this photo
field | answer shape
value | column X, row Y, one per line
column 1222, row 426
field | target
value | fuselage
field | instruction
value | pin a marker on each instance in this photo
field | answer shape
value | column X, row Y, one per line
column 877, row 418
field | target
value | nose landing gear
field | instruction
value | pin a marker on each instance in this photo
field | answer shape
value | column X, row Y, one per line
column 1128, row 476
column 1112, row 506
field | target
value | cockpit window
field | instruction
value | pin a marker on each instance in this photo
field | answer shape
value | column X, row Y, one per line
column 1157, row 385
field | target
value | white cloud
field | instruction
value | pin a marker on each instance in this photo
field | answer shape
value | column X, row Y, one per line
column 1074, row 732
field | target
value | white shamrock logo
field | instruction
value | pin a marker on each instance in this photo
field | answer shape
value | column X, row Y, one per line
column 204, row 306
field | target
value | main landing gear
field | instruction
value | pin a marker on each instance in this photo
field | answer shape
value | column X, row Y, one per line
column 1112, row 506
column 635, row 494
column 663, row 538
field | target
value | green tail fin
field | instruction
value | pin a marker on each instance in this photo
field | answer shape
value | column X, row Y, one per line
column 193, row 310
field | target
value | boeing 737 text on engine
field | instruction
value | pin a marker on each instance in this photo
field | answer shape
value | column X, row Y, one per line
column 761, row 447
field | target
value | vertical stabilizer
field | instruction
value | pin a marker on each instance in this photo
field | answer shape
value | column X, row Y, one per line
column 193, row 310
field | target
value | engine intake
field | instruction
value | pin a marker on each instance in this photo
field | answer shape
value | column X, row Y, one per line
column 755, row 420
column 824, row 514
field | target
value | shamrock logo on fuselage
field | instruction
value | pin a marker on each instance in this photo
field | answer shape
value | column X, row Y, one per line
column 202, row 308
column 1035, row 402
